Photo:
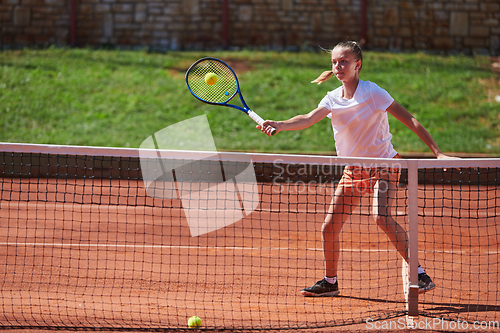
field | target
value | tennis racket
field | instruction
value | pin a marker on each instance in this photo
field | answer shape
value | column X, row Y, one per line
column 226, row 86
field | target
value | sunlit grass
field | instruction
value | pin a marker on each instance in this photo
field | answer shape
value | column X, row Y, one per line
column 119, row 98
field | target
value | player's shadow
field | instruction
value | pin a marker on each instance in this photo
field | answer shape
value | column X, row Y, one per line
column 434, row 309
column 440, row 309
column 369, row 299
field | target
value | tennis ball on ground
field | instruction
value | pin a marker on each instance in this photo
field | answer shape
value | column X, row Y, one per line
column 210, row 78
column 194, row 321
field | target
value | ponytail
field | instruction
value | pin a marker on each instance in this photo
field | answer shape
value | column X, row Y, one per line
column 323, row 77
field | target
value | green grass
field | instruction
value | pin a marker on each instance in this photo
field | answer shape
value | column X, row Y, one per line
column 119, row 98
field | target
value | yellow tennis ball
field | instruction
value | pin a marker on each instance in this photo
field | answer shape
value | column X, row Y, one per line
column 194, row 321
column 210, row 78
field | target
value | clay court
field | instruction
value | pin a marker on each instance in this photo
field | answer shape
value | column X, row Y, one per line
column 101, row 254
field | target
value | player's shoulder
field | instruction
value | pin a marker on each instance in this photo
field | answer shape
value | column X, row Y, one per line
column 369, row 85
column 379, row 95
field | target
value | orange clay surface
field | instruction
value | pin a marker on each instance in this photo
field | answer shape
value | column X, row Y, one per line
column 101, row 262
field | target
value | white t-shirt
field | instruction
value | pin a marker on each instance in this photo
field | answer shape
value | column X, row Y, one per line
column 360, row 124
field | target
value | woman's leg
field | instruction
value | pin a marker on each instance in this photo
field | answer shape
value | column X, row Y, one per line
column 344, row 201
column 384, row 192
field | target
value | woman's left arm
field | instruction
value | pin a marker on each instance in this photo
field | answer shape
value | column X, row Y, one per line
column 401, row 114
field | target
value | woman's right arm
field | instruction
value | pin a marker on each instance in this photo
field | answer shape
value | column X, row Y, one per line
column 295, row 123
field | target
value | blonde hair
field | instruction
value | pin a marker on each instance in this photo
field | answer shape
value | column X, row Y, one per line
column 351, row 46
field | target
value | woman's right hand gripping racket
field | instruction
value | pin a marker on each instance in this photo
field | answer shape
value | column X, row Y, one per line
column 212, row 81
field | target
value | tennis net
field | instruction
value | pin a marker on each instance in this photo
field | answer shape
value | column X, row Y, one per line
column 111, row 238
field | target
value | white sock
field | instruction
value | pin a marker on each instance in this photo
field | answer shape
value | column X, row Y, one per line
column 331, row 280
column 420, row 270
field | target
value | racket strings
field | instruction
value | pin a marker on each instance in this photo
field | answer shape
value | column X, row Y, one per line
column 224, row 88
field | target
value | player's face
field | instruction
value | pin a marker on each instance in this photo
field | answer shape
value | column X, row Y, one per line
column 344, row 65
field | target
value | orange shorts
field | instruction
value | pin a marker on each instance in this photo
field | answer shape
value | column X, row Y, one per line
column 363, row 180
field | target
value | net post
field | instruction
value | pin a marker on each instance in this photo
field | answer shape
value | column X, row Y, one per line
column 412, row 305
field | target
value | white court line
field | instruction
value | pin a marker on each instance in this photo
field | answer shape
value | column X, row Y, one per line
column 220, row 247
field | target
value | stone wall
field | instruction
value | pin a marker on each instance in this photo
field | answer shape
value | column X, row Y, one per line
column 443, row 25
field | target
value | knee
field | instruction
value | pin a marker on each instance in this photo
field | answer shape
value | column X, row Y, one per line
column 327, row 227
column 330, row 227
column 381, row 220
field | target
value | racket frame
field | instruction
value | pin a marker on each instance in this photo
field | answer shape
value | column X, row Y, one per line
column 255, row 117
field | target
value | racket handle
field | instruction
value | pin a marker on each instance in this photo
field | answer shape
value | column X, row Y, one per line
column 259, row 120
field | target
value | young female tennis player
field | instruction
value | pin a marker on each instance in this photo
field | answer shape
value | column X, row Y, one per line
column 358, row 111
